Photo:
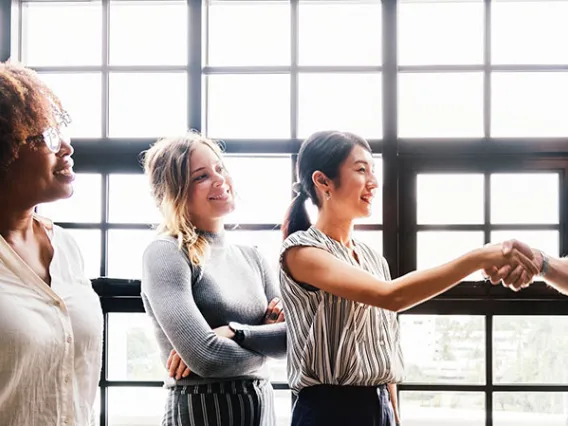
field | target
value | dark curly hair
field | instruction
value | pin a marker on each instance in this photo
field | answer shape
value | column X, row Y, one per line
column 27, row 108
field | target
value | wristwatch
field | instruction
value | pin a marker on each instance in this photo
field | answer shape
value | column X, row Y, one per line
column 239, row 336
column 545, row 265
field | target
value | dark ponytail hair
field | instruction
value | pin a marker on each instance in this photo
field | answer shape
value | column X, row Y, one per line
column 324, row 151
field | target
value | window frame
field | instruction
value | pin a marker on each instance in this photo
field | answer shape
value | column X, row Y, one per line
column 402, row 159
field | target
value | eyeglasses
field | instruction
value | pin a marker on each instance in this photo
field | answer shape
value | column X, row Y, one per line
column 54, row 136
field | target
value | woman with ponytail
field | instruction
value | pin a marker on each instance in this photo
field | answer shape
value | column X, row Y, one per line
column 343, row 338
column 208, row 299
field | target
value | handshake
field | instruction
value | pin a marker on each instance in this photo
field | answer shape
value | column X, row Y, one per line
column 518, row 266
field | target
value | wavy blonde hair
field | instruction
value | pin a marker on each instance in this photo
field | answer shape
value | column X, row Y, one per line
column 167, row 165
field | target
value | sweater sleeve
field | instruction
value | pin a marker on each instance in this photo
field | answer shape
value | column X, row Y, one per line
column 167, row 283
column 266, row 339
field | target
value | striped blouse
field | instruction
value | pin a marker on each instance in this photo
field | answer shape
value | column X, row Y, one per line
column 336, row 341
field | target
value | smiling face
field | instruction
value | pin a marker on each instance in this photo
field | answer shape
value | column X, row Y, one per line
column 41, row 174
column 352, row 193
column 211, row 194
column 35, row 155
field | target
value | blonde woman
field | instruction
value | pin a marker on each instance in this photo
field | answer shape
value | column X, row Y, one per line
column 208, row 298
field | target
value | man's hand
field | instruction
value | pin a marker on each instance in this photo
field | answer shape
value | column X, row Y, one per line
column 274, row 312
column 516, row 278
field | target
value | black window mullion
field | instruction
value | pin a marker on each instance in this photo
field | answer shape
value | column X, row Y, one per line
column 5, row 29
column 487, row 207
column 294, row 162
column 563, row 206
column 195, row 45
column 294, row 43
column 407, row 219
column 489, row 370
column 105, row 108
column 105, row 115
column 487, row 70
column 390, row 151
column 104, row 388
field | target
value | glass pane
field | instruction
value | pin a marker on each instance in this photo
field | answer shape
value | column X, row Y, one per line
column 125, row 250
column 449, row 199
column 528, row 104
column 248, row 106
column 248, row 33
column 89, row 242
column 312, row 211
column 442, row 408
column 61, row 33
column 530, row 349
column 452, row 34
column 81, row 96
column 148, row 33
column 147, row 105
column 136, row 406
column 133, row 352
column 528, row 409
column 283, row 407
column 509, row 203
column 512, row 43
column 130, row 200
column 348, row 102
column 373, row 239
column 263, row 186
column 340, row 33
column 441, row 105
column 437, row 247
column 268, row 244
column 443, row 348
column 547, row 241
column 83, row 206
column 277, row 368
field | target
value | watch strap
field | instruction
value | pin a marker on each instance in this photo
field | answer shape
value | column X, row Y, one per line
column 545, row 265
column 236, row 328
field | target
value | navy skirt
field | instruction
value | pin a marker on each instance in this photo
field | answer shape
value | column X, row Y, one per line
column 326, row 405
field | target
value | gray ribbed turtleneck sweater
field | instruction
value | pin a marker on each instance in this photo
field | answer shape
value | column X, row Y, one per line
column 185, row 303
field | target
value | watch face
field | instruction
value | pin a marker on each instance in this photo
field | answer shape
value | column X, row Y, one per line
column 239, row 336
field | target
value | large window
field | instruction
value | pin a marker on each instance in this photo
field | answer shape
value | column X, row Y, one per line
column 463, row 103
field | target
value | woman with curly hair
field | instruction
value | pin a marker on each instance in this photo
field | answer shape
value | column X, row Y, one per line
column 50, row 317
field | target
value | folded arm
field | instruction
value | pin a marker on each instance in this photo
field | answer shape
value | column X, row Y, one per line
column 268, row 339
column 167, row 283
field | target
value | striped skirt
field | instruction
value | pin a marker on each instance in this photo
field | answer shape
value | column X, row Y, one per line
column 231, row 403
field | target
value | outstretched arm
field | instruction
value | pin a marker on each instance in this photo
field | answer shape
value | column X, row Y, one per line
column 322, row 270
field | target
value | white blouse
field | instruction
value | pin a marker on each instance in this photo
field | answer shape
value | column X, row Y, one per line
column 50, row 338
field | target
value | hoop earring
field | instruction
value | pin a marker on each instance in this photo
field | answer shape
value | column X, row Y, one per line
column 327, row 195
